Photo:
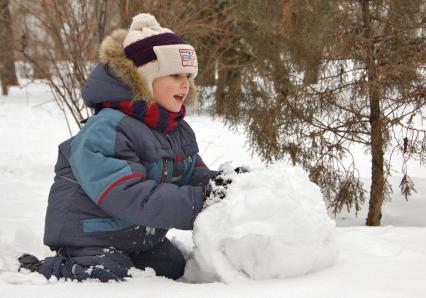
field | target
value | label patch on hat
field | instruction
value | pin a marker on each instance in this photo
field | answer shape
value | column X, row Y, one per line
column 188, row 57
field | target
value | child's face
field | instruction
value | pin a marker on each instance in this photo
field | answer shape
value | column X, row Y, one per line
column 170, row 91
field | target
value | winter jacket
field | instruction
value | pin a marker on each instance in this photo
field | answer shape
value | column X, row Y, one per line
column 119, row 182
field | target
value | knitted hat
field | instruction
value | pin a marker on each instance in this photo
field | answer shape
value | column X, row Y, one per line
column 157, row 51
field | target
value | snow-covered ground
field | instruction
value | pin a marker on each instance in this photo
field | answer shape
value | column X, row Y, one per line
column 388, row 261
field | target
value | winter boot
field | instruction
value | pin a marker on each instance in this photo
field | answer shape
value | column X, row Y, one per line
column 29, row 262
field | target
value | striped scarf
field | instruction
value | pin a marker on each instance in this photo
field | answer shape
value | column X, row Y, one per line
column 152, row 115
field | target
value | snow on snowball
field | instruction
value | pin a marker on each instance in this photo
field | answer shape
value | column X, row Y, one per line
column 272, row 224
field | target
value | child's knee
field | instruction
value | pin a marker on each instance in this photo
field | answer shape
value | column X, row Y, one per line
column 165, row 258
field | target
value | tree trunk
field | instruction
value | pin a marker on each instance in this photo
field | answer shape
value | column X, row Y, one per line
column 101, row 16
column 4, row 87
column 124, row 13
column 376, row 122
column 220, row 90
column 7, row 59
column 377, row 172
column 234, row 93
column 128, row 9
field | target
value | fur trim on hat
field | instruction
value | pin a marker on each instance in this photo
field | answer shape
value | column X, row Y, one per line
column 112, row 54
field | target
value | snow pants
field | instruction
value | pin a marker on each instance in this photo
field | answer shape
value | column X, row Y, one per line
column 110, row 264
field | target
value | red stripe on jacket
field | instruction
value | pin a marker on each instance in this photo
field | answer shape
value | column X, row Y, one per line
column 179, row 158
column 114, row 184
column 200, row 164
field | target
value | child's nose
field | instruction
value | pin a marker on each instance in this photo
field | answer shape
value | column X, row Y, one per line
column 185, row 83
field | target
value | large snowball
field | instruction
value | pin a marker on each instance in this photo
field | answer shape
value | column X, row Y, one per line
column 272, row 224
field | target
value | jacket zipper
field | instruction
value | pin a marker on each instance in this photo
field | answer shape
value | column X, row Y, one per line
column 165, row 167
column 164, row 171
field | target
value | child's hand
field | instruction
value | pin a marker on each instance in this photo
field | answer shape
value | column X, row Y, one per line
column 215, row 190
column 221, row 179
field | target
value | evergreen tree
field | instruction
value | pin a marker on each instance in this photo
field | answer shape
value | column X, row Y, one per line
column 326, row 74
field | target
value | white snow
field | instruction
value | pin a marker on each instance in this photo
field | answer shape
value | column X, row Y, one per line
column 388, row 261
column 272, row 223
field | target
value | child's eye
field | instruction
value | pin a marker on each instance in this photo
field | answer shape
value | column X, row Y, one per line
column 178, row 76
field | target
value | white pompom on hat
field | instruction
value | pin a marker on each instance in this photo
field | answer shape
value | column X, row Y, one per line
column 142, row 20
column 158, row 51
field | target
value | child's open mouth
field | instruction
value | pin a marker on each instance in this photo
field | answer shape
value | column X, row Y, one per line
column 179, row 97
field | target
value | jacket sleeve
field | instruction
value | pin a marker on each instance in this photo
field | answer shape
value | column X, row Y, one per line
column 117, row 181
column 201, row 174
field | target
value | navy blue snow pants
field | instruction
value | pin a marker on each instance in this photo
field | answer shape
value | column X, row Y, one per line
column 110, row 264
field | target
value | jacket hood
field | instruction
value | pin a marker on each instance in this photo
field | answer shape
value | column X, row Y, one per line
column 116, row 78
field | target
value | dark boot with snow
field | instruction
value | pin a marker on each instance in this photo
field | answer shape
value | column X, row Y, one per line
column 29, row 262
column 83, row 263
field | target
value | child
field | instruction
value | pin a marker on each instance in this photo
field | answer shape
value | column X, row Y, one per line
column 133, row 171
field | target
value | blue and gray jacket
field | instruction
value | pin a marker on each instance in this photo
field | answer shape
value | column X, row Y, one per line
column 118, row 182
